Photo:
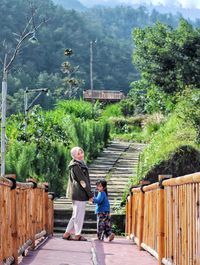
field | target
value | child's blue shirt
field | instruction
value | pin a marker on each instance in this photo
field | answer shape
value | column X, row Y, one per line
column 102, row 203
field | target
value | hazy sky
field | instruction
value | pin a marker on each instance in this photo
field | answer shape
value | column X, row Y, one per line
column 183, row 3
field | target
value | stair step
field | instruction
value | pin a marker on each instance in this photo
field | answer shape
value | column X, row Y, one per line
column 84, row 231
column 87, row 223
column 112, row 182
column 66, row 214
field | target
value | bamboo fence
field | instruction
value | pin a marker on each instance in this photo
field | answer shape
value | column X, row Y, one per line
column 164, row 219
column 26, row 215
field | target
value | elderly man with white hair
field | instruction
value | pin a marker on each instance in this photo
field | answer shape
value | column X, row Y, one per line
column 79, row 184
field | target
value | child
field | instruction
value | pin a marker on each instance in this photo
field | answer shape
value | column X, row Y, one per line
column 103, row 211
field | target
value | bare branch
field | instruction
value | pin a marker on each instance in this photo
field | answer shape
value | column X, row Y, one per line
column 22, row 39
column 33, row 11
column 17, row 35
column 28, row 24
column 44, row 21
column 17, row 48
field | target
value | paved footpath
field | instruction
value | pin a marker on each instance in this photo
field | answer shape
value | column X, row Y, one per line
column 57, row 251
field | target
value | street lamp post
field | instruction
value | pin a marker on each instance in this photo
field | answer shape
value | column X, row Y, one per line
column 3, row 121
column 28, row 106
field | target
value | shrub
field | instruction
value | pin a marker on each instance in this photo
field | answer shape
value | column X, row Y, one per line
column 92, row 136
column 127, row 107
column 184, row 160
column 158, row 101
column 20, row 159
column 111, row 110
column 188, row 109
column 148, row 99
column 174, row 149
column 126, row 124
column 77, row 108
column 151, row 124
column 43, row 150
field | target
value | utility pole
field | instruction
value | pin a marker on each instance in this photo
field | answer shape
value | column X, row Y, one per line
column 91, row 70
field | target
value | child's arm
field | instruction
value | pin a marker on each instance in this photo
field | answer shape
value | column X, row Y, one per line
column 99, row 198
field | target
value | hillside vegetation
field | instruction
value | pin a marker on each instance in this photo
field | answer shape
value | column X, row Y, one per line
column 42, row 151
column 39, row 65
column 160, row 64
column 162, row 108
column 175, row 148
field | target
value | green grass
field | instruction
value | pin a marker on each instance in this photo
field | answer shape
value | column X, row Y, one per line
column 111, row 110
column 171, row 136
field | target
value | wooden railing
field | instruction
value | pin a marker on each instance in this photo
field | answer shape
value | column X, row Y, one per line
column 26, row 215
column 164, row 219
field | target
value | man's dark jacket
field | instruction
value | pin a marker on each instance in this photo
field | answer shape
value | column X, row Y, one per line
column 80, row 181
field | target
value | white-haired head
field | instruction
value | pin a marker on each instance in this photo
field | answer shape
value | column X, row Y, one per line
column 75, row 150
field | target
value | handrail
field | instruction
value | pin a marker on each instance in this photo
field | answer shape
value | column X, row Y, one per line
column 164, row 219
column 26, row 215
column 7, row 181
column 135, row 190
column 146, row 188
column 187, row 179
column 151, row 187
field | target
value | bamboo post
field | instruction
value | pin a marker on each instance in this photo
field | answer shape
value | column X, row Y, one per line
column 46, row 209
column 141, row 218
column 51, row 196
column 161, row 219
column 130, row 214
column 141, row 212
column 33, row 211
column 13, row 215
column 126, row 225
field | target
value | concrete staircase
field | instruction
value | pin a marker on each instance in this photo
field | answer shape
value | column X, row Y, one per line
column 117, row 163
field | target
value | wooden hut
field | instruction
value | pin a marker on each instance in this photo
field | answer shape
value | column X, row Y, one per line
column 103, row 95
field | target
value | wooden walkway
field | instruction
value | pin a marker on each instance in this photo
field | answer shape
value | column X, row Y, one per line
column 57, row 251
column 119, row 162
column 163, row 218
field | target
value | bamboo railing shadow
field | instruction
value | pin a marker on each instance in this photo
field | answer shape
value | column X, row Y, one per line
column 26, row 215
column 164, row 219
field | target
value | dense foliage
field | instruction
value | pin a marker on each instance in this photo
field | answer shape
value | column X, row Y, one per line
column 165, row 65
column 175, row 148
column 39, row 65
column 168, row 61
column 42, row 151
column 168, row 58
column 70, row 4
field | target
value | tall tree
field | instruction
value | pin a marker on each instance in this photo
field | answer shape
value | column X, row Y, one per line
column 168, row 58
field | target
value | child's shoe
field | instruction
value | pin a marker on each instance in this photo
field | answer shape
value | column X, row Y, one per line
column 111, row 237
